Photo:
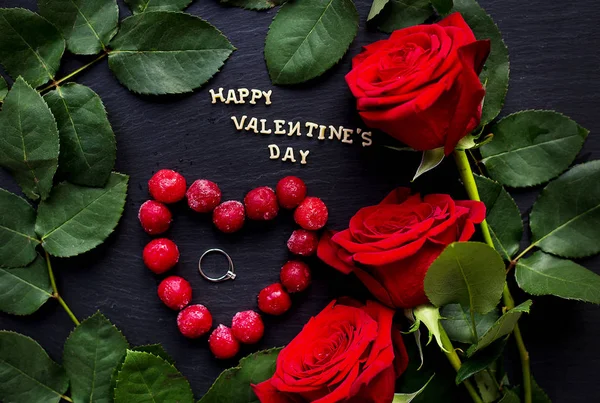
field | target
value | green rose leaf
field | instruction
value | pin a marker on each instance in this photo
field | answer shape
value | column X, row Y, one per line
column 308, row 37
column 430, row 160
column 92, row 352
column 409, row 397
column 565, row 219
column 87, row 25
column 3, row 88
column 543, row 274
column 494, row 76
column 537, row 393
column 480, row 361
column 165, row 52
column 17, row 231
column 532, row 147
column 30, row 46
column 157, row 350
column 87, row 142
column 233, row 385
column 27, row 374
column 442, row 7
column 501, row 328
column 253, row 4
column 24, row 290
column 142, row 6
column 145, row 377
column 30, row 137
column 76, row 219
column 503, row 216
column 468, row 273
column 376, row 8
column 403, row 13
column 456, row 320
column 510, row 397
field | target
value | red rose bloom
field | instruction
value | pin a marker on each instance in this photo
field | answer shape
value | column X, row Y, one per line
column 391, row 246
column 421, row 86
column 347, row 353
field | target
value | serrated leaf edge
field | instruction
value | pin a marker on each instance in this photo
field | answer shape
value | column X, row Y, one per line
column 233, row 49
column 121, row 210
column 531, row 221
column 493, row 126
column 357, row 23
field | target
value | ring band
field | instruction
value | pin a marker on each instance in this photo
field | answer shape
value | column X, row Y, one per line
column 230, row 275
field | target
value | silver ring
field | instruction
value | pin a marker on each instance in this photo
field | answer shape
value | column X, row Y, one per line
column 230, row 275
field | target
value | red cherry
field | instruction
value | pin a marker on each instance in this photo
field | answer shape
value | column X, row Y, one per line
column 247, row 327
column 261, row 204
column 303, row 242
column 194, row 321
column 229, row 216
column 167, row 186
column 155, row 217
column 203, row 196
column 291, row 190
column 273, row 300
column 160, row 255
column 175, row 292
column 311, row 214
column 295, row 276
column 222, row 343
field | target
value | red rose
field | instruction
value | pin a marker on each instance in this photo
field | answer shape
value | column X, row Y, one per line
column 421, row 85
column 347, row 353
column 391, row 246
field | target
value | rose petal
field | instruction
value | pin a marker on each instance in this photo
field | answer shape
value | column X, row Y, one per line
column 327, row 252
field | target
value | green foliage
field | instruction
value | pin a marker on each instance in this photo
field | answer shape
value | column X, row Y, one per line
column 87, row 25
column 76, row 219
column 376, row 8
column 565, row 220
column 430, row 160
column 3, row 88
column 510, row 397
column 233, row 385
column 167, row 52
column 501, row 328
column 503, row 216
column 430, row 316
column 17, row 231
column 27, row 374
column 480, row 361
column 494, row 76
column 30, row 46
column 253, row 4
column 24, row 290
column 400, row 14
column 30, row 140
column 142, row 6
column 308, row 37
column 537, row 393
column 442, row 7
column 145, row 377
column 157, row 350
column 543, row 274
column 409, row 397
column 92, row 352
column 456, row 320
column 87, row 142
column 468, row 273
column 532, row 147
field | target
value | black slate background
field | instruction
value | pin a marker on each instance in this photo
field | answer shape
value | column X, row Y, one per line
column 554, row 65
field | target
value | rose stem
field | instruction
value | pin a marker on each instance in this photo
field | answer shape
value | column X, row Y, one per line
column 466, row 174
column 456, row 363
column 55, row 293
column 68, row 76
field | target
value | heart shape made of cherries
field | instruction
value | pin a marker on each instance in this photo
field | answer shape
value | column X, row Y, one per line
column 261, row 204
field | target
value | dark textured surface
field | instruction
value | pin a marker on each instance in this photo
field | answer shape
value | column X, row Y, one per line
column 554, row 65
